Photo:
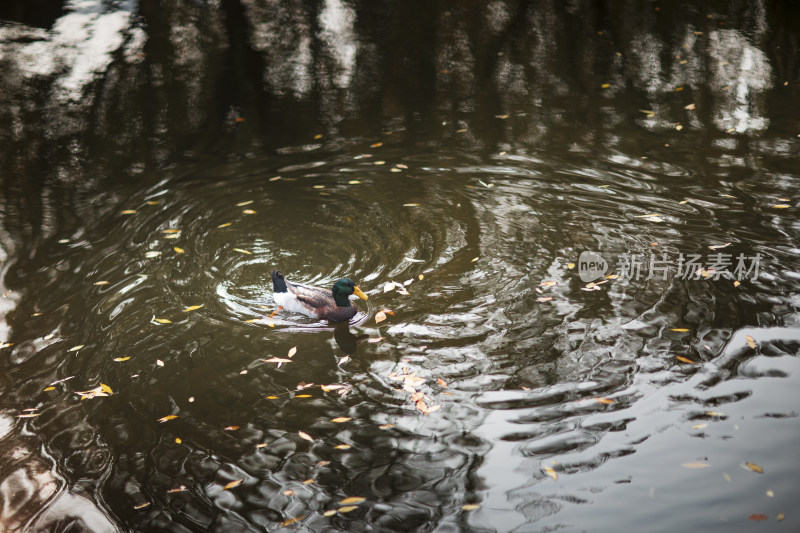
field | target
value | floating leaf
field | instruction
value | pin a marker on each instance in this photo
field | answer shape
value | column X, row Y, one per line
column 305, row 436
column 128, row 212
column 96, row 283
column 231, row 428
column 343, row 447
column 152, row 253
column 76, row 348
column 233, row 484
column 225, row 225
column 718, row 246
column 380, row 316
column 552, row 473
column 194, row 308
column 695, row 465
column 605, row 86
column 714, row 413
column 292, row 351
column 699, row 426
column 441, row 382
column 272, row 397
column 159, row 362
column 679, row 330
column 412, row 260
column 47, row 389
column 28, row 415
column 684, row 359
column 121, row 359
column 142, row 505
column 781, row 206
column 757, row 517
column 182, row 488
column 162, row 320
column 544, row 299
column 179, row 250
column 474, row 259
column 106, row 388
column 340, row 419
column 248, row 212
column 470, row 507
column 750, row 341
column 343, row 360
column 386, row 426
column 242, row 251
column 290, row 521
column 347, row 508
column 246, row 202
column 351, row 500
column 178, row 440
column 167, row 418
column 330, row 512
column 279, row 360
column 737, row 283
column 606, row 401
column 754, row 467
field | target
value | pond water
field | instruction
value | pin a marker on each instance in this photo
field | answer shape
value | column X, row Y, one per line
column 496, row 379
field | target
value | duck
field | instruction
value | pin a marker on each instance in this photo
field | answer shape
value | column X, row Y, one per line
column 316, row 302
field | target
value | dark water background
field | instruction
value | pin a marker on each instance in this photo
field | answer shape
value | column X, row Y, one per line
column 157, row 156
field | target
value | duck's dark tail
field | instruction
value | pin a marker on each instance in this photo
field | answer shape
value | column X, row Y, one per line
column 278, row 283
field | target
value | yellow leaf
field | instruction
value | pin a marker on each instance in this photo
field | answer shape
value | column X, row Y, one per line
column 737, row 283
column 699, row 426
column 179, row 250
column 233, row 484
column 106, row 388
column 470, row 507
column 167, row 418
column 193, row 308
column 308, row 481
column 781, row 206
column 351, row 500
column 231, row 428
column 170, row 231
column 571, row 265
column 347, row 508
column 552, row 473
column 751, row 342
column 714, row 413
column 178, row 440
column 225, row 225
column 242, row 251
column 376, row 145
column 679, row 330
column 474, row 259
column 305, row 436
column 441, row 382
column 76, row 348
column 101, row 282
column 340, row 419
column 142, row 505
column 292, row 351
column 343, row 447
column 303, row 396
column 605, row 86
column 248, row 212
column 754, row 467
column 121, row 359
column 246, row 202
column 49, row 389
column 329, row 512
column 695, row 465
column 272, row 397
column 607, row 401
column 684, row 359
column 386, row 426
column 380, row 316
column 128, row 212
column 290, row 521
column 163, row 321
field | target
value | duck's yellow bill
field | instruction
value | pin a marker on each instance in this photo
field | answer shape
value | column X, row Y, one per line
column 358, row 292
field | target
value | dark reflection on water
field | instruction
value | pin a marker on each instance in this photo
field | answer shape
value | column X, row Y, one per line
column 159, row 161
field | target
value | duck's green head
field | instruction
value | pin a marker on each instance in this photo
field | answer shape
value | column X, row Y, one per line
column 344, row 288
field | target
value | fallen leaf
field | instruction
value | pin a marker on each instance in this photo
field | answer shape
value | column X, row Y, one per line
column 552, row 473
column 246, row 202
column 96, row 283
column 329, row 512
column 279, row 360
column 340, row 419
column 470, row 507
column 194, row 308
column 737, row 283
column 292, row 351
column 178, row 440
column 248, row 212
column 242, row 251
column 605, row 86
column 159, row 362
column 474, row 259
column 679, row 330
column 76, row 348
column 233, row 484
column 288, row 492
column 163, row 320
column 179, row 250
column 754, row 467
column 544, row 298
column 684, row 359
column 699, row 426
column 351, row 500
column 386, row 426
column 121, row 359
column 757, row 517
column 380, row 316
column 142, row 505
column 781, row 206
column 290, row 521
column 231, row 428
column 128, row 212
column 750, row 341
column 106, row 388
column 305, row 436
column 606, row 401
column 343, row 360
column 441, row 382
column 309, row 481
column 695, row 465
column 167, row 418
column 47, row 389
column 347, row 508
column 343, row 447
column 225, row 225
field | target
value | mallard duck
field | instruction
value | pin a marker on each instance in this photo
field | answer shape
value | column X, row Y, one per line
column 316, row 302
